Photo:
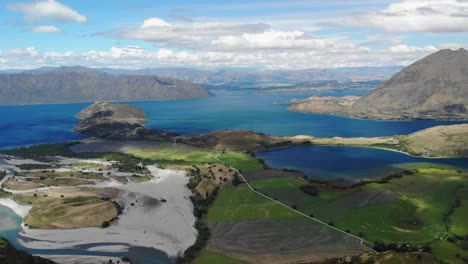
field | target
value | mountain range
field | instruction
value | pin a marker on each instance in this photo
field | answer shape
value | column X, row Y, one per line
column 217, row 77
column 80, row 84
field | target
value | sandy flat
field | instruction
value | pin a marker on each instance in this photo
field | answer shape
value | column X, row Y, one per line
column 148, row 223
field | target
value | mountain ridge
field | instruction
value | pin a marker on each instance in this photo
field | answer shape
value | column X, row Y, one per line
column 434, row 87
column 87, row 85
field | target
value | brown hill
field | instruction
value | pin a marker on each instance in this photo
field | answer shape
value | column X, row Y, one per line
column 435, row 87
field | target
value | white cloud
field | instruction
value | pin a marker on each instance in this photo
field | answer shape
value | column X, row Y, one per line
column 193, row 35
column 133, row 57
column 154, row 22
column 435, row 16
column 45, row 29
column 277, row 40
column 47, row 10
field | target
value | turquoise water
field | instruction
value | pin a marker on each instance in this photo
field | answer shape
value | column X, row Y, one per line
column 10, row 224
column 347, row 163
column 27, row 125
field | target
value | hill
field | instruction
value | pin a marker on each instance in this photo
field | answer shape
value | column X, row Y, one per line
column 117, row 121
column 79, row 84
column 435, row 87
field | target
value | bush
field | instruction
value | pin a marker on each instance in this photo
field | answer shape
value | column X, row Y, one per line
column 105, row 224
column 310, row 190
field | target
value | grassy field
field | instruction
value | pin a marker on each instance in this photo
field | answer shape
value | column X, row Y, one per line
column 459, row 217
column 168, row 151
column 240, row 203
column 207, row 257
column 411, row 208
column 241, row 161
column 68, row 212
column 449, row 252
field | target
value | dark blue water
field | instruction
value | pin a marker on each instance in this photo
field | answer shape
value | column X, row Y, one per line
column 27, row 125
column 347, row 163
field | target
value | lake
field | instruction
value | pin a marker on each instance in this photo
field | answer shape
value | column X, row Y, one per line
column 333, row 163
column 35, row 124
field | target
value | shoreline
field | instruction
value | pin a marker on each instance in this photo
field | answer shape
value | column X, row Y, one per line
column 19, row 209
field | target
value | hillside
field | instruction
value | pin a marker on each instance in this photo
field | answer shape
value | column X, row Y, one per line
column 79, row 84
column 439, row 141
column 435, row 87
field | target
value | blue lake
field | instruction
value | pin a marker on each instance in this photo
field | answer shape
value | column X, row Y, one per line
column 34, row 124
column 347, row 163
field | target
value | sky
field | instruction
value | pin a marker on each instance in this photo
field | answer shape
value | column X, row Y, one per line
column 294, row 34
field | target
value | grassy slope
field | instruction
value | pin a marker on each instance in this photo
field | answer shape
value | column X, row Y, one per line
column 458, row 219
column 424, row 197
column 447, row 251
column 241, row 161
column 240, row 203
column 168, row 151
column 207, row 256
column 50, row 213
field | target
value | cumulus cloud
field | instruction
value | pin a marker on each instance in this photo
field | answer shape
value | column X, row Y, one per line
column 47, row 10
column 435, row 16
column 193, row 35
column 277, row 40
column 45, row 29
column 154, row 22
column 135, row 57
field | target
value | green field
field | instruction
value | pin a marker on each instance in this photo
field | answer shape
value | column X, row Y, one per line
column 241, row 161
column 168, row 151
column 459, row 217
column 406, row 209
column 208, row 257
column 449, row 252
column 240, row 203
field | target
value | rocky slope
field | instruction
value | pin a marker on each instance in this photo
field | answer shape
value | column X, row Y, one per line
column 117, row 121
column 79, row 84
column 435, row 87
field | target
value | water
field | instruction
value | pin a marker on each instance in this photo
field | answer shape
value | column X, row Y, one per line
column 347, row 163
column 28, row 125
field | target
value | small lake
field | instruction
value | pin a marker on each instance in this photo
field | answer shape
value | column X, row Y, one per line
column 347, row 163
